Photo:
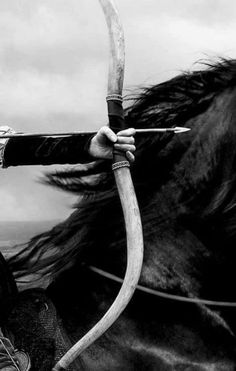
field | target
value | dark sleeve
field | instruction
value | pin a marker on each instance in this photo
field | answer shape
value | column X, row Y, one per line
column 47, row 151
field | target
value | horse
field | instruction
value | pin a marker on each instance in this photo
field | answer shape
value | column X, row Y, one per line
column 186, row 188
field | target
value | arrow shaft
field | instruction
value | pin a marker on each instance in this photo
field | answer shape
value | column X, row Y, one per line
column 78, row 133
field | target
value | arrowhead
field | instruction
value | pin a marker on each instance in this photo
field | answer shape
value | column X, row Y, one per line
column 178, row 130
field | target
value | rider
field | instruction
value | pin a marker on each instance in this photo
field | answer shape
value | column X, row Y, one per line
column 47, row 151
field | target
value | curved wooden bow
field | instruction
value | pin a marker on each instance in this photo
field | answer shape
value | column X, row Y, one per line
column 125, row 189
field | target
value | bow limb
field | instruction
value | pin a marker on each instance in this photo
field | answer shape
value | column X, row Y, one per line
column 125, row 190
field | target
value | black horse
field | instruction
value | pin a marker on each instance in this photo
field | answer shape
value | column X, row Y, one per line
column 186, row 187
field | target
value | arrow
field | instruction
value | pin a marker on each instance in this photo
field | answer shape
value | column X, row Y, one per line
column 175, row 130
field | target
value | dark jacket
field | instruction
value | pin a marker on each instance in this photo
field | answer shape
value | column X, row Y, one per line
column 47, row 151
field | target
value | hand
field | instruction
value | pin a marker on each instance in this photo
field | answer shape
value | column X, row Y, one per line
column 102, row 144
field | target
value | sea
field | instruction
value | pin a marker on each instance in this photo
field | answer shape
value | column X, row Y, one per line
column 14, row 233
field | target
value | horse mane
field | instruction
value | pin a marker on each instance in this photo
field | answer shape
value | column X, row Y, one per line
column 169, row 177
column 182, row 97
column 167, row 104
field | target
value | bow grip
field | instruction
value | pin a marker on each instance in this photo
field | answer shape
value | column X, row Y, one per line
column 116, row 121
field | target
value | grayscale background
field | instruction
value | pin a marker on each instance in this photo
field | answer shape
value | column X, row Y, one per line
column 53, row 71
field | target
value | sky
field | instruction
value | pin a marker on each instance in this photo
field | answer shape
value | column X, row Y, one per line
column 53, row 72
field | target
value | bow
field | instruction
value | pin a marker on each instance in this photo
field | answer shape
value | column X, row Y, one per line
column 125, row 190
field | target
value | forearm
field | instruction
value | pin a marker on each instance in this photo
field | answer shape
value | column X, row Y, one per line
column 46, row 151
column 42, row 150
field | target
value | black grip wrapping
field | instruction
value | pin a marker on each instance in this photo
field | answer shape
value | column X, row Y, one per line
column 116, row 123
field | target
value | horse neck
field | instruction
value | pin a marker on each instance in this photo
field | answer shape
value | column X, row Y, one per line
column 196, row 187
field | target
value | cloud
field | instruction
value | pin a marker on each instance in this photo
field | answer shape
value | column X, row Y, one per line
column 53, row 59
column 53, row 70
column 49, row 40
column 30, row 93
column 212, row 13
column 22, row 197
column 172, row 41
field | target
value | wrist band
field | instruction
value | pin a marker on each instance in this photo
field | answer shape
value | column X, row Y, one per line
column 114, row 97
column 118, row 165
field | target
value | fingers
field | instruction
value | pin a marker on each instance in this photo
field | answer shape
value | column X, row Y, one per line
column 127, row 132
column 130, row 157
column 125, row 143
column 125, row 147
column 125, row 140
column 122, row 141
column 106, row 132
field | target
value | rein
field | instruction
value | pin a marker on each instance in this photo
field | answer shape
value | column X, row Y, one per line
column 179, row 298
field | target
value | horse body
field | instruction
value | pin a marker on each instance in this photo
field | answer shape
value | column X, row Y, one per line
column 151, row 334
column 186, row 189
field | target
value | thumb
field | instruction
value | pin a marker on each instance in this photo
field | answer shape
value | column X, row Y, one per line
column 107, row 133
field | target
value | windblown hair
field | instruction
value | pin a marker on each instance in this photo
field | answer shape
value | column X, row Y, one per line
column 185, row 186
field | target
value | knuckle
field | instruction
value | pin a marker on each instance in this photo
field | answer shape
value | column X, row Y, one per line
column 132, row 131
column 132, row 140
column 105, row 129
column 127, row 140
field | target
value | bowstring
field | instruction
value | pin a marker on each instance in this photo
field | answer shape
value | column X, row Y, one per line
column 163, row 294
